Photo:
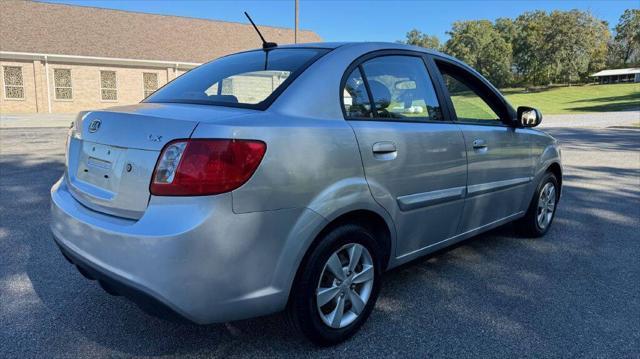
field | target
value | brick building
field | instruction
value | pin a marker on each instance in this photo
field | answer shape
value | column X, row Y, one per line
column 63, row 59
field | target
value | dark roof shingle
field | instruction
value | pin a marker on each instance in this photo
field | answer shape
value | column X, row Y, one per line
column 27, row 26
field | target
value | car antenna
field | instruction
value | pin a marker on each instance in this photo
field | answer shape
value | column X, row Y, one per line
column 265, row 45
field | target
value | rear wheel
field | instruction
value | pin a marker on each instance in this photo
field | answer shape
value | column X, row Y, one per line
column 337, row 286
column 542, row 209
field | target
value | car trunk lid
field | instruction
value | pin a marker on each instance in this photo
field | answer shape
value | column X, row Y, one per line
column 111, row 157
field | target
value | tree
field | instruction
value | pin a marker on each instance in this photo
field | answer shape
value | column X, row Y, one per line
column 538, row 47
column 627, row 39
column 573, row 41
column 481, row 46
column 600, row 52
column 507, row 29
column 529, row 47
column 561, row 46
column 417, row 38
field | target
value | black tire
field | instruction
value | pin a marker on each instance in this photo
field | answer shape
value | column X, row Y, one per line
column 302, row 309
column 528, row 225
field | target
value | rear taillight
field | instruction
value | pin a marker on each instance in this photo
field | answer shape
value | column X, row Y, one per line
column 199, row 167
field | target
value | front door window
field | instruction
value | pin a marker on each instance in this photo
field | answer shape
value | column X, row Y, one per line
column 469, row 106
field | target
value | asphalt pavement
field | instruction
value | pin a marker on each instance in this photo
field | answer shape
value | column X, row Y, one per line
column 573, row 293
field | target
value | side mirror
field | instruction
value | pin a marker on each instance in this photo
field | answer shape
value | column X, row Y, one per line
column 529, row 116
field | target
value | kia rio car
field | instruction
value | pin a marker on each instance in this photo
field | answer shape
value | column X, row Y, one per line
column 292, row 177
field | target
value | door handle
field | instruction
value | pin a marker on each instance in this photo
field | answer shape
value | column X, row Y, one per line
column 384, row 151
column 384, row 147
column 479, row 143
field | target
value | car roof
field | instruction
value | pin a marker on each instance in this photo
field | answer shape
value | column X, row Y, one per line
column 368, row 45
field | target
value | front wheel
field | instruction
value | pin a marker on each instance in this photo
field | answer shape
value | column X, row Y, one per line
column 337, row 286
column 542, row 209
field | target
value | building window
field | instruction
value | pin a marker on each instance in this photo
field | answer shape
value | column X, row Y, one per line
column 108, row 86
column 150, row 82
column 13, row 83
column 62, row 84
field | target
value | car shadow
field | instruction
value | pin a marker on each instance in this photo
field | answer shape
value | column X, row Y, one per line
column 631, row 105
column 631, row 97
column 586, row 139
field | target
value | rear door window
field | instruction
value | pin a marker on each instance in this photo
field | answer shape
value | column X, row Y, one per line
column 400, row 88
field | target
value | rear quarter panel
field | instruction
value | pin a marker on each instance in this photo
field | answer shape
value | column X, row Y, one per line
column 308, row 163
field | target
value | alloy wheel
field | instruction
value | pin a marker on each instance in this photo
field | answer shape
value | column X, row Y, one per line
column 546, row 205
column 345, row 285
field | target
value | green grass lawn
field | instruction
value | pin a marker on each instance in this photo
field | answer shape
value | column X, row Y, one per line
column 578, row 99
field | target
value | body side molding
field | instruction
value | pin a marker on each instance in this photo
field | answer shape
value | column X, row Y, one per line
column 478, row 189
column 426, row 199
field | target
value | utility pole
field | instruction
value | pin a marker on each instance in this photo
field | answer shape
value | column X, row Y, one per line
column 295, row 31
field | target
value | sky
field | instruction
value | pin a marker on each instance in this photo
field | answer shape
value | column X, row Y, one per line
column 348, row 20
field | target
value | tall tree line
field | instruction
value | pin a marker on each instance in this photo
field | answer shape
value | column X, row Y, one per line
column 540, row 48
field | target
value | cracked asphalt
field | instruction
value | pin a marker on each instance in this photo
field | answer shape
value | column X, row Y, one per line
column 573, row 293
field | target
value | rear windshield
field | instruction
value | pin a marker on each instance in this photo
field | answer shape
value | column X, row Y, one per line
column 250, row 79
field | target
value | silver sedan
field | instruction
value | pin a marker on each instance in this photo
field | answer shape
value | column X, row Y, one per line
column 292, row 177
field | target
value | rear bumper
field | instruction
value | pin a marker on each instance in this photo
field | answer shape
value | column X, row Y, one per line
column 115, row 285
column 191, row 256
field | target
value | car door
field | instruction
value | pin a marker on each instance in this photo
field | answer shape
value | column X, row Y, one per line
column 414, row 160
column 500, row 165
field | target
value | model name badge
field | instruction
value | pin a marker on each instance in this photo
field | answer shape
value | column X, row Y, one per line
column 154, row 138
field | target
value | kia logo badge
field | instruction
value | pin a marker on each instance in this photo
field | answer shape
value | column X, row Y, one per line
column 94, row 125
